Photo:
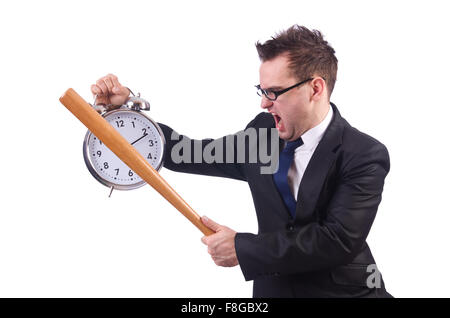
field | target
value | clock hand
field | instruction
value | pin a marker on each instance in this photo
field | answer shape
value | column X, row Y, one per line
column 139, row 139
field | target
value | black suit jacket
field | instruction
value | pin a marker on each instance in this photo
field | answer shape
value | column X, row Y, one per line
column 322, row 252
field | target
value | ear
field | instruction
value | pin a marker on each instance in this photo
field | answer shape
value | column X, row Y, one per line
column 319, row 88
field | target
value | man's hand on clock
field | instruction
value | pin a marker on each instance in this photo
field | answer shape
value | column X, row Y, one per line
column 110, row 91
column 221, row 244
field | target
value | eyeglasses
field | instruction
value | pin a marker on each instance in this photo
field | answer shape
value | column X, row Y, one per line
column 273, row 95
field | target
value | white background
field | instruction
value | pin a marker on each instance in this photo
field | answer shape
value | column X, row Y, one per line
column 60, row 234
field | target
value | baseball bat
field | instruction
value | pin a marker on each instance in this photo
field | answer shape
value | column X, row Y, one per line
column 128, row 154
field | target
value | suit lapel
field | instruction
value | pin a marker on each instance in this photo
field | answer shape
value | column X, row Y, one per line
column 318, row 167
column 316, row 171
column 268, row 179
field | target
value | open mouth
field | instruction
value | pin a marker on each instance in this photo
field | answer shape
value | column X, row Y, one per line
column 278, row 122
column 277, row 118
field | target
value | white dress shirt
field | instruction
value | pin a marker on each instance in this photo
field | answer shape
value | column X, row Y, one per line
column 303, row 154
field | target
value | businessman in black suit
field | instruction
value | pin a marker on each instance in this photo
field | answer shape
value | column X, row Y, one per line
column 315, row 211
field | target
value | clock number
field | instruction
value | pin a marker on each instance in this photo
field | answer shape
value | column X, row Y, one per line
column 130, row 173
column 99, row 153
column 105, row 165
column 133, row 124
column 119, row 123
column 149, row 156
column 117, row 172
column 151, row 143
column 145, row 131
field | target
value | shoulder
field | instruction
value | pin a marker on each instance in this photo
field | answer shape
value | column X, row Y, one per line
column 262, row 120
column 359, row 148
column 355, row 140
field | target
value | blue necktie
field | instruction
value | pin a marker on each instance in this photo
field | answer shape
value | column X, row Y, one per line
column 281, row 176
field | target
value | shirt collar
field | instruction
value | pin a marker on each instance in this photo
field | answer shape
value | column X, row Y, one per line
column 312, row 137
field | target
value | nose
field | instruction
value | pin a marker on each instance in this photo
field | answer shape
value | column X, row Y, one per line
column 265, row 103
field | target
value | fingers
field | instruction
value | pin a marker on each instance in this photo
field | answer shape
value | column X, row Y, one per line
column 95, row 89
column 211, row 243
column 112, row 82
column 107, row 85
column 108, row 90
column 99, row 97
column 218, row 254
column 211, row 224
column 214, row 243
column 117, row 89
column 102, row 85
column 214, row 239
column 220, row 244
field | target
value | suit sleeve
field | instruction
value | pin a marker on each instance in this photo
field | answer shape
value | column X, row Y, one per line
column 325, row 244
column 211, row 157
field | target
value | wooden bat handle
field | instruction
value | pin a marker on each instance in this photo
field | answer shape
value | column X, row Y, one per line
column 128, row 154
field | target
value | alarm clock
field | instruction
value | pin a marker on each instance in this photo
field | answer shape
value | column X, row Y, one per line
column 142, row 132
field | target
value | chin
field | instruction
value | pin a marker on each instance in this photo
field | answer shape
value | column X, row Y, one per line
column 285, row 135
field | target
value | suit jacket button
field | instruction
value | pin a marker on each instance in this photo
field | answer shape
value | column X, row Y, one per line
column 290, row 227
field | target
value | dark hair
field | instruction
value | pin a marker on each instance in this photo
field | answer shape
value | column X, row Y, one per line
column 309, row 54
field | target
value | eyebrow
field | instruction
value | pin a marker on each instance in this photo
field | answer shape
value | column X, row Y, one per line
column 273, row 88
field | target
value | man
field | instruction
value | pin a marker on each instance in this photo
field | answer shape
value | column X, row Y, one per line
column 315, row 212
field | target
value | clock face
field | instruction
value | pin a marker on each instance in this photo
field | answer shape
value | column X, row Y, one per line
column 141, row 132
